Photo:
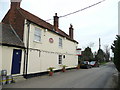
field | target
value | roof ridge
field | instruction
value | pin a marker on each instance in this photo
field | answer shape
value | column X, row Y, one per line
column 33, row 15
column 40, row 22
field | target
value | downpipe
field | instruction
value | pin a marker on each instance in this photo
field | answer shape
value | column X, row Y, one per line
column 27, row 51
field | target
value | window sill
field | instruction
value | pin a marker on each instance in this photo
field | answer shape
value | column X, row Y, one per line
column 37, row 42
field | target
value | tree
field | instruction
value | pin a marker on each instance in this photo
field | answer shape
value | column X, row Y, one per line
column 107, row 52
column 87, row 54
column 116, row 50
column 100, row 55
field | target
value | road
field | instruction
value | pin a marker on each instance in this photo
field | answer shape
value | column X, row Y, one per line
column 98, row 77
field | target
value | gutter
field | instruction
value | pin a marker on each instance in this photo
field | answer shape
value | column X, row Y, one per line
column 10, row 45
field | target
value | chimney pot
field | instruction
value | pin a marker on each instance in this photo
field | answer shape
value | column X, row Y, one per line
column 15, row 4
column 55, row 14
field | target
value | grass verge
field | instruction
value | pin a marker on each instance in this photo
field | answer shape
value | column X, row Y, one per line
column 102, row 63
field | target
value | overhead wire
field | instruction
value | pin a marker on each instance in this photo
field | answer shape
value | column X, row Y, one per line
column 79, row 10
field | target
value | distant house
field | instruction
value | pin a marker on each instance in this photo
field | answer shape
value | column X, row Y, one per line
column 35, row 45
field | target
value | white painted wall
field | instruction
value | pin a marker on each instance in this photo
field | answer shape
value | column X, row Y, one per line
column 7, row 54
column 0, row 58
column 40, row 61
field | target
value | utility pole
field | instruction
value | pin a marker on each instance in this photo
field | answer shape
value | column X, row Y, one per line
column 99, row 43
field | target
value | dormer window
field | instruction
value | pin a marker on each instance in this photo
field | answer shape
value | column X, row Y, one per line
column 37, row 35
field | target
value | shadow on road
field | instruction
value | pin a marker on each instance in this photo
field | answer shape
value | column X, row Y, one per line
column 119, row 81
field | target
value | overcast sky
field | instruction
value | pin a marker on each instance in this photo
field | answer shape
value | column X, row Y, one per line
column 100, row 21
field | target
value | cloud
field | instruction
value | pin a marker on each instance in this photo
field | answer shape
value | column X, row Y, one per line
column 89, row 25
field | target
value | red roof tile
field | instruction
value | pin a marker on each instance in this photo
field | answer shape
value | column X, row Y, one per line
column 42, row 23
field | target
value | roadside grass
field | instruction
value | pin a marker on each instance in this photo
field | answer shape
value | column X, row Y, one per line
column 102, row 63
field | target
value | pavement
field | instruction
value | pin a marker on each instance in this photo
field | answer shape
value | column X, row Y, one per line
column 98, row 77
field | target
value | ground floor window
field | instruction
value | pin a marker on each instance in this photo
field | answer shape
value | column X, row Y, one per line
column 60, row 59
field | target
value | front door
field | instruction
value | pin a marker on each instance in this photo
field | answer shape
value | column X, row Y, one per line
column 16, row 61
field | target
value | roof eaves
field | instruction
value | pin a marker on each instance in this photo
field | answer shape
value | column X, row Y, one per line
column 12, row 45
column 50, row 26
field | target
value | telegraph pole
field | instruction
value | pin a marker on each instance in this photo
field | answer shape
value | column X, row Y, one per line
column 99, row 43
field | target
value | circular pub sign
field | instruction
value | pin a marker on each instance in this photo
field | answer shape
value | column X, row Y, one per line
column 51, row 40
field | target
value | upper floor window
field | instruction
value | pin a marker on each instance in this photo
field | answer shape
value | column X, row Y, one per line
column 60, row 42
column 37, row 35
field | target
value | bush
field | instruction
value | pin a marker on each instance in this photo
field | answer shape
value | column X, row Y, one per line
column 116, row 50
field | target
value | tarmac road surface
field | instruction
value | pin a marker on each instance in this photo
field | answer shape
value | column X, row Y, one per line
column 99, row 77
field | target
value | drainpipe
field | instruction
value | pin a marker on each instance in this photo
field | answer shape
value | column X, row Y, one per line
column 27, row 49
column 24, row 62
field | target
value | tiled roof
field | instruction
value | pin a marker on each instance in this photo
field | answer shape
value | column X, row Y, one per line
column 42, row 23
column 8, row 36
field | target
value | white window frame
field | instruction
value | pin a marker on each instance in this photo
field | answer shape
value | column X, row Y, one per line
column 59, row 59
column 37, row 34
column 60, row 42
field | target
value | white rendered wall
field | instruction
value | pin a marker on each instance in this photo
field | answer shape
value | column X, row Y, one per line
column 7, row 54
column 44, row 54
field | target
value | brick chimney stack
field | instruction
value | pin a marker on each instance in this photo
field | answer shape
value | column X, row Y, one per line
column 56, row 22
column 71, row 31
column 15, row 4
